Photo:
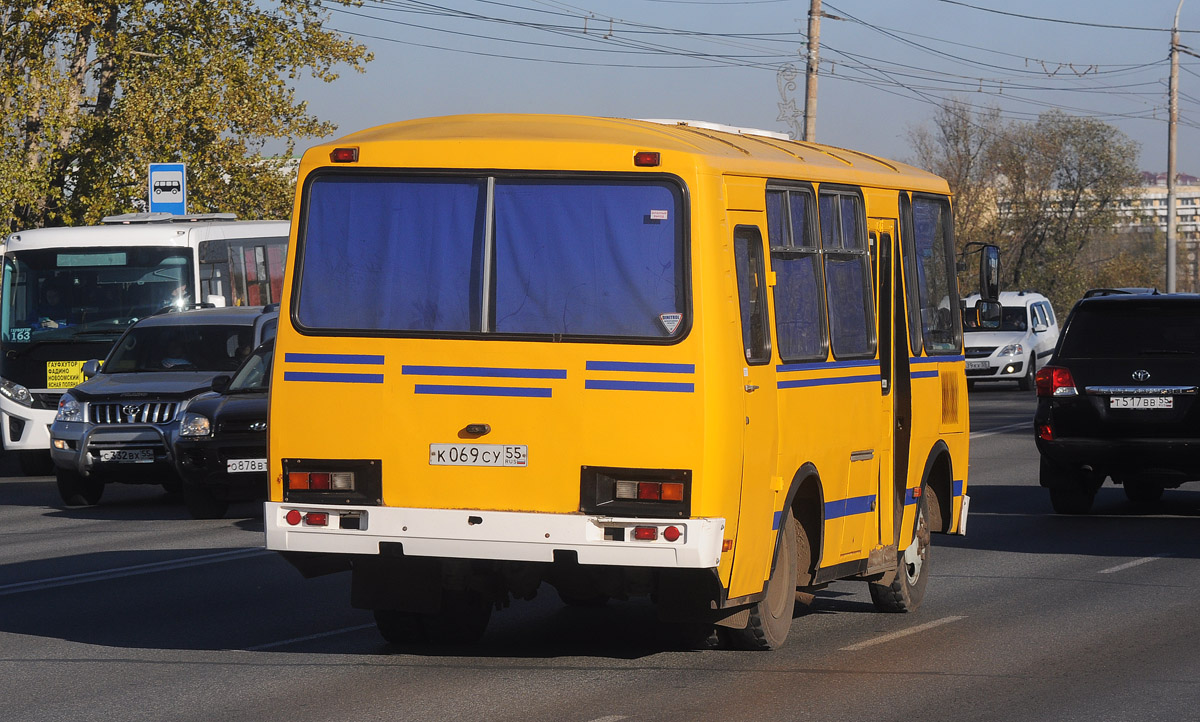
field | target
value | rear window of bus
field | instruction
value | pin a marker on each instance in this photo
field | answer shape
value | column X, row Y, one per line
column 564, row 257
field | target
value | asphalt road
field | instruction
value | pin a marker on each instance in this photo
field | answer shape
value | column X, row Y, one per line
column 133, row 611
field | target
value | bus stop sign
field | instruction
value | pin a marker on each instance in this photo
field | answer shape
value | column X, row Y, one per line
column 168, row 188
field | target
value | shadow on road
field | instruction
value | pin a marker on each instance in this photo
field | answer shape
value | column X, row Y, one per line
column 1020, row 519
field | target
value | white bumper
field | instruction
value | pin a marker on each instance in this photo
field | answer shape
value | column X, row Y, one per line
column 35, row 434
column 496, row 535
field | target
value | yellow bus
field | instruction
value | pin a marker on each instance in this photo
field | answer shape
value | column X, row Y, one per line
column 710, row 365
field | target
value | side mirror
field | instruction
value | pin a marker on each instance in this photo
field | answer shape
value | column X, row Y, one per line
column 988, row 313
column 216, row 301
column 989, row 273
column 220, row 383
column 1039, row 327
column 90, row 368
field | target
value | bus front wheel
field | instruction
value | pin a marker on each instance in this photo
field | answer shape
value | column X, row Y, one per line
column 907, row 590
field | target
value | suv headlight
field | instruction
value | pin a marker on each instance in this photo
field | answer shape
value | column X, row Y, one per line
column 194, row 425
column 16, row 392
column 69, row 409
column 1013, row 349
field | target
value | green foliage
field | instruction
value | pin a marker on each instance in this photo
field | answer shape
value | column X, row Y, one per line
column 1045, row 191
column 92, row 91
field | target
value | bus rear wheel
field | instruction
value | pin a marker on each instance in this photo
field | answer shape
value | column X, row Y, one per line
column 907, row 590
column 771, row 617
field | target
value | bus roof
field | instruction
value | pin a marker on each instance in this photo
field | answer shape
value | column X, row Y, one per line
column 513, row 141
column 147, row 234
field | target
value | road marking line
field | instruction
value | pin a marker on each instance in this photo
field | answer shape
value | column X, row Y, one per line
column 901, row 633
column 610, row 718
column 1134, row 563
column 130, row 571
column 1002, row 429
column 306, row 638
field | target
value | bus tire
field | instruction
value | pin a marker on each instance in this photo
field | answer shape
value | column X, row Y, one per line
column 771, row 616
column 462, row 619
column 77, row 490
column 201, row 504
column 907, row 589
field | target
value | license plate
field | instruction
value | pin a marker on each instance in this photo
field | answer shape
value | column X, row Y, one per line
column 127, row 456
column 977, row 365
column 1141, row 402
column 478, row 455
column 237, row 466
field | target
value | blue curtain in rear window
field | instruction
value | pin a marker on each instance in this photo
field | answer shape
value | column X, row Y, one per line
column 585, row 258
column 393, row 254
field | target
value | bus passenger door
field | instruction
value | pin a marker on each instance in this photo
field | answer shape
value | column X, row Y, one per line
column 756, row 518
column 901, row 390
column 883, row 235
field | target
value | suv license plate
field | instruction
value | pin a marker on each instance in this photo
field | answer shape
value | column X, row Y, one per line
column 127, row 456
column 478, row 455
column 1141, row 402
column 977, row 365
column 237, row 466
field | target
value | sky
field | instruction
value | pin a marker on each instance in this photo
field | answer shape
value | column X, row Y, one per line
column 885, row 64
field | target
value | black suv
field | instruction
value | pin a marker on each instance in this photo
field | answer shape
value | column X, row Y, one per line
column 221, row 447
column 118, row 425
column 1118, row 399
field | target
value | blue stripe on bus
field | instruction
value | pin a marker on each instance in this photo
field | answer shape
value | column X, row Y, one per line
column 797, row 383
column 517, row 391
column 848, row 507
column 824, row 365
column 336, row 378
column 640, row 367
column 958, row 487
column 924, row 374
column 777, row 521
column 334, row 358
column 484, row 371
column 910, row 497
column 665, row 386
column 934, row 359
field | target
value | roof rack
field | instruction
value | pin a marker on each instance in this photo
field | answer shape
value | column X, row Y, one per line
column 1129, row 291
column 139, row 218
column 183, row 307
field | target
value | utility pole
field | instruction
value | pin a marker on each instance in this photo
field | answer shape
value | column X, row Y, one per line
column 1172, row 120
column 810, row 76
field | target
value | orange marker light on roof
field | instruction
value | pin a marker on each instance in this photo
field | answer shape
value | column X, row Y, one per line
column 646, row 158
column 344, row 155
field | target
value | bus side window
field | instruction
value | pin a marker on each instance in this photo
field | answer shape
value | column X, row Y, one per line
column 849, row 294
column 799, row 288
column 751, row 282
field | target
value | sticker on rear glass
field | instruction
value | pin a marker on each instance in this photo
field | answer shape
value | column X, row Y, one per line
column 659, row 215
column 670, row 321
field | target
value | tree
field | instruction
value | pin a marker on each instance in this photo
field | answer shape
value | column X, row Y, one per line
column 92, row 91
column 1044, row 191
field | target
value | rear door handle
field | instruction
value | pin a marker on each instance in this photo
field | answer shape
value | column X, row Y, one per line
column 751, row 387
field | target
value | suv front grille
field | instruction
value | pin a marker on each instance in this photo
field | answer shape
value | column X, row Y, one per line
column 142, row 412
column 979, row 351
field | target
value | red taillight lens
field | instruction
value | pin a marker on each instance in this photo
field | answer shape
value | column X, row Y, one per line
column 645, row 533
column 293, row 517
column 671, row 533
column 1055, row 381
column 316, row 518
column 649, row 491
column 1045, row 432
column 318, row 480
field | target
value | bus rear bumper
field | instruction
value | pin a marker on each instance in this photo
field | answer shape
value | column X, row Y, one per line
column 494, row 535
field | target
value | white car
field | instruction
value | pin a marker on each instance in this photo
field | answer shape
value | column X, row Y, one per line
column 1024, row 342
